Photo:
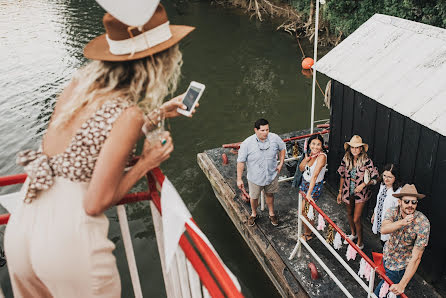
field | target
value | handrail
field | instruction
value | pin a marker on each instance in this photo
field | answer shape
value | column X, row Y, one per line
column 208, row 255
column 211, row 272
column 352, row 244
column 12, row 179
column 325, row 131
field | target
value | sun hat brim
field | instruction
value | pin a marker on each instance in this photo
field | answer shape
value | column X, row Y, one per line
column 416, row 195
column 98, row 48
column 346, row 144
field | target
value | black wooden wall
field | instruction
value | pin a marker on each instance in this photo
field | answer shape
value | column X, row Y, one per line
column 394, row 138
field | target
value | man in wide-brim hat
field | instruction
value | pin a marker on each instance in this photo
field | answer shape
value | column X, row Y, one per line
column 409, row 235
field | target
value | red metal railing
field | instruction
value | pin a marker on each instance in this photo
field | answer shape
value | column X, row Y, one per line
column 355, row 247
column 237, row 145
column 207, row 265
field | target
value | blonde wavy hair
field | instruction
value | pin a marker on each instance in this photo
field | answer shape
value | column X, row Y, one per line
column 348, row 158
column 144, row 82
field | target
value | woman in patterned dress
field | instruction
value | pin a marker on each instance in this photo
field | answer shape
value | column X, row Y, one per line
column 356, row 174
column 56, row 241
column 385, row 200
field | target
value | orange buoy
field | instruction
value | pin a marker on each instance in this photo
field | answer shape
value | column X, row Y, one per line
column 224, row 157
column 307, row 63
column 314, row 273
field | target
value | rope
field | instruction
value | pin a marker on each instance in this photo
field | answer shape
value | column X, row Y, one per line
column 303, row 57
column 303, row 54
column 317, row 83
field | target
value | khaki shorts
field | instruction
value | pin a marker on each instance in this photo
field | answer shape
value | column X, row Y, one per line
column 254, row 189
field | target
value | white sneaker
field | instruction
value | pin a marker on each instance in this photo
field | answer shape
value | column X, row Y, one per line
column 351, row 237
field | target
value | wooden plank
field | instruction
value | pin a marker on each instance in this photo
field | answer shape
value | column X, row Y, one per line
column 381, row 135
column 347, row 114
column 366, row 123
column 395, row 138
column 336, row 142
column 435, row 260
column 425, row 163
column 267, row 256
column 409, row 149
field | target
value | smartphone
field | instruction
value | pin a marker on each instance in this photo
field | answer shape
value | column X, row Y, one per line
column 191, row 98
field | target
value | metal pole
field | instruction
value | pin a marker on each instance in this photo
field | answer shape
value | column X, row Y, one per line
column 262, row 200
column 329, row 272
column 313, row 93
column 371, row 283
column 297, row 248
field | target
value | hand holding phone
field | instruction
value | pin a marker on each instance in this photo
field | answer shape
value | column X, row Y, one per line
column 191, row 98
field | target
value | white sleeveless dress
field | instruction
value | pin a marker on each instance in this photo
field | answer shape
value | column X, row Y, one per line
column 52, row 246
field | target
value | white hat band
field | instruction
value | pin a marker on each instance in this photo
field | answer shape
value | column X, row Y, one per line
column 140, row 42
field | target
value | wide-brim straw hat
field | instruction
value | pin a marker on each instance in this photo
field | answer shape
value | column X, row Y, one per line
column 356, row 141
column 124, row 43
column 409, row 190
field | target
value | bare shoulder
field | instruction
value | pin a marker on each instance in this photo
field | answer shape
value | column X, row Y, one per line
column 132, row 118
column 322, row 157
column 66, row 94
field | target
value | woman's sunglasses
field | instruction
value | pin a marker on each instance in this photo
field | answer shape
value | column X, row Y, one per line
column 414, row 202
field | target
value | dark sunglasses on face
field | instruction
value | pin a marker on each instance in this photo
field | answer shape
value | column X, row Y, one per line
column 414, row 202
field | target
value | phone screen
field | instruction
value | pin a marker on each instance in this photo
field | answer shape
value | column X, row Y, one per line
column 190, row 97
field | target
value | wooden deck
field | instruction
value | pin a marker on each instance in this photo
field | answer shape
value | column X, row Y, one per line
column 273, row 245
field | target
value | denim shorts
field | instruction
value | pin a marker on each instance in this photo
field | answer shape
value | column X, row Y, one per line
column 317, row 189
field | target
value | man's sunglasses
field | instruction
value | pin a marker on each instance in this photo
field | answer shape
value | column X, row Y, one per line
column 414, row 202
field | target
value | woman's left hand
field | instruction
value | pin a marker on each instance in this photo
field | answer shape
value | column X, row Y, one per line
column 169, row 108
column 310, row 198
column 359, row 188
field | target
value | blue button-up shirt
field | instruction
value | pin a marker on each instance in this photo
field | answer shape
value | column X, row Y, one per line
column 261, row 157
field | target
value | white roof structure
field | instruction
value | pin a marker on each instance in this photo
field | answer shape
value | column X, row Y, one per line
column 399, row 63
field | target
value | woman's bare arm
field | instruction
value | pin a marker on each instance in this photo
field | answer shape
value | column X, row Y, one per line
column 321, row 161
column 109, row 183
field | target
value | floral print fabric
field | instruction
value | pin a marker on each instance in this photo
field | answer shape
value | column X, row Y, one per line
column 77, row 162
column 365, row 194
column 398, row 249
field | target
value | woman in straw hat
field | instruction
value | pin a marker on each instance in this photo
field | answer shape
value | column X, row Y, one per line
column 357, row 173
column 56, row 241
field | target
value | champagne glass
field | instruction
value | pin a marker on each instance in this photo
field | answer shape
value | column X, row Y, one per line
column 153, row 127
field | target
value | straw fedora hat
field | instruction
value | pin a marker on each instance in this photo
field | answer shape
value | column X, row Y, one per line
column 356, row 141
column 124, row 43
column 409, row 190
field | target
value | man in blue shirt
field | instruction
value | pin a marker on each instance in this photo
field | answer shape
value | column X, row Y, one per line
column 259, row 152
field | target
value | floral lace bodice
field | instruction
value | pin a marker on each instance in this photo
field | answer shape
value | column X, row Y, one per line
column 77, row 162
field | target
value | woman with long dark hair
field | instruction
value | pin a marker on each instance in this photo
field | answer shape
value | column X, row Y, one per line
column 56, row 240
column 313, row 168
column 356, row 174
column 390, row 184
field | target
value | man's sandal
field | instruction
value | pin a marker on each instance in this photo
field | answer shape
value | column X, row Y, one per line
column 252, row 220
column 306, row 237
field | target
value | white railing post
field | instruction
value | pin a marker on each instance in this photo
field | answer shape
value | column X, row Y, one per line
column 371, row 284
column 262, row 200
column 313, row 92
column 297, row 249
column 129, row 252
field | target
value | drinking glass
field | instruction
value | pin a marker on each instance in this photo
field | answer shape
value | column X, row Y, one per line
column 153, row 127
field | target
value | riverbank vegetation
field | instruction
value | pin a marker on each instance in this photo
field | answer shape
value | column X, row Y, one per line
column 339, row 18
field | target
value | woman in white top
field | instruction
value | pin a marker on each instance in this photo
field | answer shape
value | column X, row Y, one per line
column 390, row 185
column 313, row 168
